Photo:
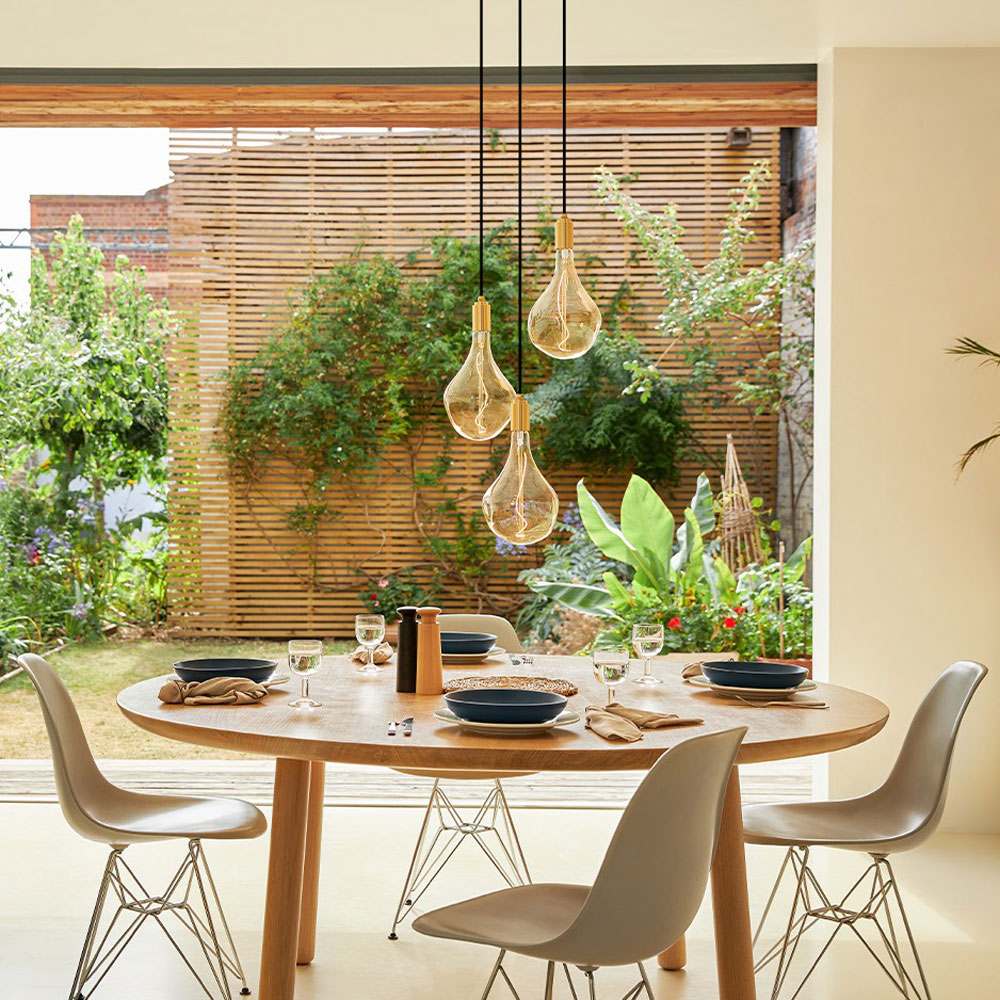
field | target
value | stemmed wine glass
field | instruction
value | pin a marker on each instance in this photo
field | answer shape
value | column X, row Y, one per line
column 647, row 641
column 611, row 667
column 370, row 630
column 304, row 659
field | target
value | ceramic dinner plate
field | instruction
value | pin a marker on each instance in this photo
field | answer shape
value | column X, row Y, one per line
column 459, row 658
column 507, row 728
column 752, row 694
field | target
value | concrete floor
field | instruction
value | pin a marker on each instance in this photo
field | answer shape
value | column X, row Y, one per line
column 50, row 877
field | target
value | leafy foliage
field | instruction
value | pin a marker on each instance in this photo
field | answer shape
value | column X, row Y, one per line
column 679, row 580
column 587, row 418
column 747, row 302
column 966, row 347
column 82, row 372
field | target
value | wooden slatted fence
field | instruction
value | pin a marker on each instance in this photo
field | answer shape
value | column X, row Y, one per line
column 253, row 213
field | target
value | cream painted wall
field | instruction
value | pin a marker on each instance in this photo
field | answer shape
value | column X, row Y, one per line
column 349, row 33
column 908, row 247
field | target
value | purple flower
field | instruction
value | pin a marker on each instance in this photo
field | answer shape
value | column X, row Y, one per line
column 80, row 610
column 572, row 517
column 505, row 548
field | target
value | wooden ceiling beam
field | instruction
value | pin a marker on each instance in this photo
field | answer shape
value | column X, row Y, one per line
column 645, row 104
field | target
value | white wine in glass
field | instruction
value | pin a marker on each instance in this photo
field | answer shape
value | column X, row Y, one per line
column 305, row 656
column 611, row 667
column 370, row 631
column 647, row 641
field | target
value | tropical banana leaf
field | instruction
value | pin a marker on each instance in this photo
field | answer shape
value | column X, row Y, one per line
column 795, row 564
column 609, row 538
column 648, row 526
column 694, row 568
column 703, row 505
column 619, row 595
column 578, row 596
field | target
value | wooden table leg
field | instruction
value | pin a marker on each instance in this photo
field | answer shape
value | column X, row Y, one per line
column 284, row 880
column 675, row 957
column 730, row 902
column 310, row 873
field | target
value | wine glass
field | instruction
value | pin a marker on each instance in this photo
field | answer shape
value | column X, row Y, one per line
column 304, row 659
column 611, row 667
column 647, row 641
column 370, row 630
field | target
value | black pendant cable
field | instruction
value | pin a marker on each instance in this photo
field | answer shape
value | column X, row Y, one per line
column 520, row 184
column 482, row 150
column 564, row 103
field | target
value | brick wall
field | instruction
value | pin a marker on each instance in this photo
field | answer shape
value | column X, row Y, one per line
column 133, row 225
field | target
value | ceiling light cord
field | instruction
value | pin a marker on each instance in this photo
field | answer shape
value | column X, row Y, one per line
column 520, row 198
column 564, row 105
column 482, row 150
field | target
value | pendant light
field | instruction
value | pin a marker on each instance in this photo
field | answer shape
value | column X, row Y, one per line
column 478, row 399
column 520, row 506
column 565, row 321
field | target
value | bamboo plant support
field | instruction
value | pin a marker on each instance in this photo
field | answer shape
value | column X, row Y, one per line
column 740, row 536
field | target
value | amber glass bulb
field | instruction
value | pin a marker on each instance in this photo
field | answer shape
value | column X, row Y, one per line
column 565, row 321
column 479, row 397
column 520, row 506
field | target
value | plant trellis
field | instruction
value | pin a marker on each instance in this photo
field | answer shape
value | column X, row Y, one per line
column 740, row 535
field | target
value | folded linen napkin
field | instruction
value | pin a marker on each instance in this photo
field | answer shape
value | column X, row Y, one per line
column 383, row 654
column 692, row 669
column 215, row 691
column 617, row 722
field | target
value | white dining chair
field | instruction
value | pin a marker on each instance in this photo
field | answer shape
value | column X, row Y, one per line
column 103, row 812
column 490, row 825
column 645, row 895
column 898, row 816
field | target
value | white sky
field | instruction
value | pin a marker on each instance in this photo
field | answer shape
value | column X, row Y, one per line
column 71, row 161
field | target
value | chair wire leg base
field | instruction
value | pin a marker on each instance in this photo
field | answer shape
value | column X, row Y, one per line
column 879, row 893
column 550, row 975
column 190, row 900
column 491, row 827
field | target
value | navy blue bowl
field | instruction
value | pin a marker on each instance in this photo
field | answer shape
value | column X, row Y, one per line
column 204, row 668
column 505, row 705
column 467, row 642
column 758, row 674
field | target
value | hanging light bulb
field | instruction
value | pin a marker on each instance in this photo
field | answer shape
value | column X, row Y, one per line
column 479, row 397
column 564, row 321
column 520, row 507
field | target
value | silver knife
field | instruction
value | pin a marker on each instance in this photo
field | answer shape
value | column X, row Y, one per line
column 392, row 728
column 408, row 726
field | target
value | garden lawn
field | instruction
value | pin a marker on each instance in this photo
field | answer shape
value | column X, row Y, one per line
column 94, row 673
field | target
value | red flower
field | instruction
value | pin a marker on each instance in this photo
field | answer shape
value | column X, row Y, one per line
column 729, row 623
column 674, row 623
column 373, row 597
column 740, row 610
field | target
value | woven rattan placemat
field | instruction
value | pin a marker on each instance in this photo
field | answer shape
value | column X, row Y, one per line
column 553, row 684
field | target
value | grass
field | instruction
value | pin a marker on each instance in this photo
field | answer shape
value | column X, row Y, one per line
column 95, row 673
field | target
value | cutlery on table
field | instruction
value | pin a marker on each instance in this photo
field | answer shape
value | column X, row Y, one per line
column 811, row 703
column 392, row 728
column 408, row 726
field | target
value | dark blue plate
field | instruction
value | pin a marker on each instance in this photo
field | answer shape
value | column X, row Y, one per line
column 204, row 668
column 505, row 705
column 756, row 674
column 467, row 642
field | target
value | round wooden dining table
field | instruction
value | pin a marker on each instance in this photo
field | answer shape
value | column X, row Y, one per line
column 352, row 727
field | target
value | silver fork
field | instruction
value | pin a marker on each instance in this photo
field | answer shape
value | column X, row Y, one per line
column 782, row 704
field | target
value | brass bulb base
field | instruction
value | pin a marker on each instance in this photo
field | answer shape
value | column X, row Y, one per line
column 564, row 233
column 481, row 316
column 519, row 414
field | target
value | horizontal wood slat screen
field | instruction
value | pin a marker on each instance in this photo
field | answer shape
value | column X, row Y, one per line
column 254, row 213
column 177, row 105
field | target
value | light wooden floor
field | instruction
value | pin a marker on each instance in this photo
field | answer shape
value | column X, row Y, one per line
column 354, row 785
column 50, row 877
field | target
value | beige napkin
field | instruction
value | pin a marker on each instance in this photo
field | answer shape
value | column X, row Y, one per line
column 692, row 670
column 216, row 691
column 617, row 722
column 383, row 654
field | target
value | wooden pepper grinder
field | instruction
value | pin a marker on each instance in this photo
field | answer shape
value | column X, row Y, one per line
column 430, row 678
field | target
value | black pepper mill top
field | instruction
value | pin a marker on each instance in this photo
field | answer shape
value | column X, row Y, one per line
column 406, row 651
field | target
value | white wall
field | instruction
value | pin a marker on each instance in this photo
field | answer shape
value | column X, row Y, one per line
column 909, row 231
